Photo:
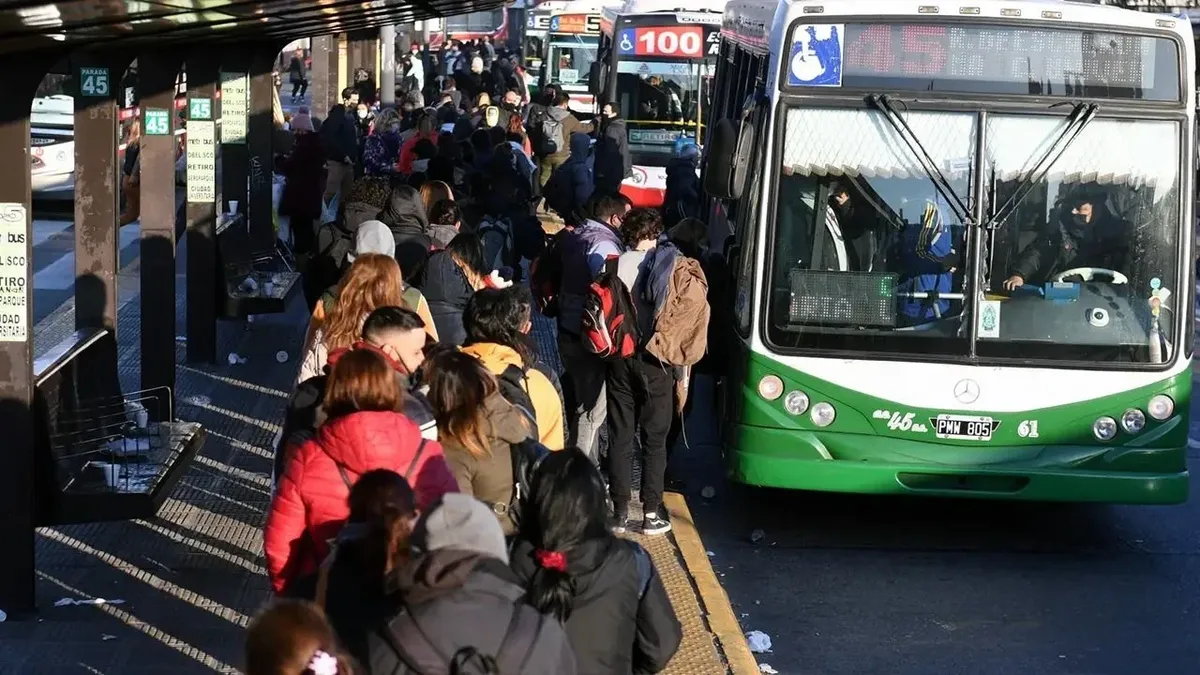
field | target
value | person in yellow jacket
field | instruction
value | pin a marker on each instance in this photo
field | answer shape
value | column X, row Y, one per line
column 497, row 322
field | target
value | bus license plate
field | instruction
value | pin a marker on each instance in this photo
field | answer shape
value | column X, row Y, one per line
column 964, row 427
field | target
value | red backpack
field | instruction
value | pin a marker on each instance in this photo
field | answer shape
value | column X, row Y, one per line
column 609, row 322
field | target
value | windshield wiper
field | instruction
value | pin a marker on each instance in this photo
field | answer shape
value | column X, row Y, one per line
column 1081, row 115
column 884, row 104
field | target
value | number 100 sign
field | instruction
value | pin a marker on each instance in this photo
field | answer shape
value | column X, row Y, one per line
column 678, row 41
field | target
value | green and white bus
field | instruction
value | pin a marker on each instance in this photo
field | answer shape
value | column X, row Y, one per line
column 960, row 243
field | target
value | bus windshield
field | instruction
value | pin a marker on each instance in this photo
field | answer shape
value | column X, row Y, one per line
column 661, row 101
column 869, row 256
column 1104, row 216
column 571, row 59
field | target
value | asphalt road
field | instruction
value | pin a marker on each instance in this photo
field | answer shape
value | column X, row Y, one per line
column 847, row 584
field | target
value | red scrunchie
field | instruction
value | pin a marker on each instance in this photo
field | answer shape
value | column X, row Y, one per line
column 551, row 560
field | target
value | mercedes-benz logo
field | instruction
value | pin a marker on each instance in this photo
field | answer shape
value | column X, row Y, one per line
column 966, row 391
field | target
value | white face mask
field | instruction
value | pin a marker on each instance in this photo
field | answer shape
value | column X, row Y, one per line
column 362, row 114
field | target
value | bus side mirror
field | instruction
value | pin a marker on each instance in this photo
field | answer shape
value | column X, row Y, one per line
column 728, row 155
column 594, row 78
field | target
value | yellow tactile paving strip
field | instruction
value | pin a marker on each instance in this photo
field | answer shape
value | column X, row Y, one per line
column 712, row 639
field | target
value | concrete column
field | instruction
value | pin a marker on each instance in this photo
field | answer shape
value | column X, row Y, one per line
column 261, row 158
column 158, row 72
column 387, row 57
column 21, row 75
column 97, row 262
column 205, row 281
column 324, row 74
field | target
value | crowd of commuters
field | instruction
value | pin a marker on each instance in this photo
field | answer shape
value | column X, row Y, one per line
column 443, row 500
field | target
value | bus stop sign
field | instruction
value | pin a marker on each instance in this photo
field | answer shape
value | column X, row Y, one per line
column 94, row 82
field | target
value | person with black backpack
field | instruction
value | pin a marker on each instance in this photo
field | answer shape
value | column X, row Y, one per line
column 460, row 609
column 603, row 588
column 497, row 323
column 478, row 429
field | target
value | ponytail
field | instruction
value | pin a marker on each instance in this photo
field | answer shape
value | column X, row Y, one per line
column 566, row 508
column 382, row 505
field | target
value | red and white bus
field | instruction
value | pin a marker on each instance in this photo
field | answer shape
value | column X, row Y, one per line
column 656, row 63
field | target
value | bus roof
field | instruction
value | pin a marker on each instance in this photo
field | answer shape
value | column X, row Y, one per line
column 585, row 6
column 752, row 23
column 689, row 11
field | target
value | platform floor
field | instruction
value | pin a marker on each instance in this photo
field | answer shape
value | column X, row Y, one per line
column 179, row 589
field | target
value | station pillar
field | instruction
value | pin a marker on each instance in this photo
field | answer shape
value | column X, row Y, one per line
column 20, row 75
column 202, row 195
column 158, row 73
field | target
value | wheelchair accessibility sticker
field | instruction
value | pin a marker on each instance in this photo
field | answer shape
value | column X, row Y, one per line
column 816, row 56
column 625, row 45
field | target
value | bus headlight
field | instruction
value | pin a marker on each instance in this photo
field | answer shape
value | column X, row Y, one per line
column 796, row 402
column 1133, row 421
column 1104, row 428
column 822, row 414
column 770, row 387
column 1160, row 407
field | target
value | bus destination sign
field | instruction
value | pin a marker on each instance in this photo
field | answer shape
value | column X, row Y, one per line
column 927, row 57
column 680, row 42
column 578, row 24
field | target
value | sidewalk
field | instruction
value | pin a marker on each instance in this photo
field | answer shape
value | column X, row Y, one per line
column 181, row 588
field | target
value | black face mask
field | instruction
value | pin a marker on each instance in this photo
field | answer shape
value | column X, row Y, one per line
column 1077, row 224
column 511, row 107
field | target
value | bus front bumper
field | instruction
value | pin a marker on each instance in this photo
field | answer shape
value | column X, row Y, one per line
column 800, row 460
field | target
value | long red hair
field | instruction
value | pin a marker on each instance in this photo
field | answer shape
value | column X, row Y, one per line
column 373, row 281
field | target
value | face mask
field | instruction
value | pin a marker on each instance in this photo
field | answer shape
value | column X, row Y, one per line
column 362, row 114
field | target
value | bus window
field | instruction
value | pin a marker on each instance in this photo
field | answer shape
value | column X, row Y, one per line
column 571, row 59
column 661, row 101
column 865, row 246
column 747, row 228
column 1104, row 216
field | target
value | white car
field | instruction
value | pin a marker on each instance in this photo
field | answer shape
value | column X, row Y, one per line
column 52, row 147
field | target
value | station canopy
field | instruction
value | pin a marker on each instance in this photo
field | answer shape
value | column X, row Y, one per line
column 28, row 26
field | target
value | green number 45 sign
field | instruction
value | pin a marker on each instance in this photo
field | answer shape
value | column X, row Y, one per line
column 200, row 108
column 157, row 122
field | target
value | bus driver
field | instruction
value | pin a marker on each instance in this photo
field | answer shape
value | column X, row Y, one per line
column 1088, row 235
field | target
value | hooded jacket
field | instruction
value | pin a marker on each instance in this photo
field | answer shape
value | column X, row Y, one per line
column 305, row 412
column 621, row 620
column 310, row 506
column 455, row 595
column 572, row 182
column 570, row 126
column 682, row 197
column 338, row 136
column 305, row 172
column 406, row 217
column 583, row 254
column 489, row 479
column 447, row 290
column 547, row 405
column 613, row 161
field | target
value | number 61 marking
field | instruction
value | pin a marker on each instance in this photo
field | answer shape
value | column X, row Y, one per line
column 1028, row 429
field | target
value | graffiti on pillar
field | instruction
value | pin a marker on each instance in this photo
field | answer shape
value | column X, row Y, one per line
column 258, row 177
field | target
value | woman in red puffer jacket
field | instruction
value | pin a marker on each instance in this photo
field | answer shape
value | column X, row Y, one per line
column 362, row 432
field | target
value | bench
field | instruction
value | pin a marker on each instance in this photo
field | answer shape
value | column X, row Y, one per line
column 249, row 281
column 101, row 454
